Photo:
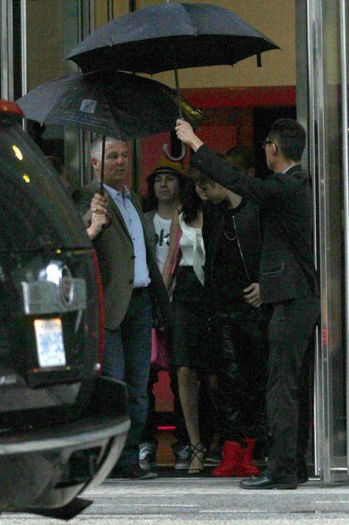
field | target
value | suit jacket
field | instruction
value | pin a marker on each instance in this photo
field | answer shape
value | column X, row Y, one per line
column 116, row 257
column 286, row 269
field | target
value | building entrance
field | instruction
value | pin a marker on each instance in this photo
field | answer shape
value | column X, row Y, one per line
column 322, row 108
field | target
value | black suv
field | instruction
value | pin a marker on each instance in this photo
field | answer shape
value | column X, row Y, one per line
column 62, row 425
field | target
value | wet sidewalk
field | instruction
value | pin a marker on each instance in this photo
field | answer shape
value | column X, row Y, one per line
column 207, row 500
column 176, row 500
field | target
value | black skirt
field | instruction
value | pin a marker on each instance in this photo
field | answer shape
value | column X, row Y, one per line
column 190, row 329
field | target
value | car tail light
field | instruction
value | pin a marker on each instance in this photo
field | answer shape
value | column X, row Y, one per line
column 6, row 106
column 101, row 310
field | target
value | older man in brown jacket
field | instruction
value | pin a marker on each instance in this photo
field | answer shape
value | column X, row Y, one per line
column 134, row 294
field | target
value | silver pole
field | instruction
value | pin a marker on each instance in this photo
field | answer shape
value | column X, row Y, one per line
column 81, row 133
column 317, row 163
column 110, row 10
column 24, row 53
column 344, row 92
column 85, row 26
column 7, row 91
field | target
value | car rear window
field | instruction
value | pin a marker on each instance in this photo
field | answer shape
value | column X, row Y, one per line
column 35, row 210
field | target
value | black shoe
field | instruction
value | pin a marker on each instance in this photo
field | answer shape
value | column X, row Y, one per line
column 214, row 457
column 265, row 482
column 134, row 472
column 302, row 472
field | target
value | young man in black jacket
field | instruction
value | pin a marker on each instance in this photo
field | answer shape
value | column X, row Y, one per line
column 287, row 279
column 232, row 239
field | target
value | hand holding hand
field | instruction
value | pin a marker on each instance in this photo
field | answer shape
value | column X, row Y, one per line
column 252, row 295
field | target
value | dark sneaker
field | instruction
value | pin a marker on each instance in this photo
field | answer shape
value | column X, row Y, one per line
column 136, row 472
column 214, row 457
column 182, row 457
column 147, row 455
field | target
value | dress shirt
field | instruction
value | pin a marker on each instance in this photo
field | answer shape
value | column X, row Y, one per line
column 134, row 225
column 289, row 167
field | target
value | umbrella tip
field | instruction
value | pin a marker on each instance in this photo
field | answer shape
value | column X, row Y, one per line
column 259, row 60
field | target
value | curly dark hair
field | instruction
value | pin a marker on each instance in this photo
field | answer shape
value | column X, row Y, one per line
column 149, row 201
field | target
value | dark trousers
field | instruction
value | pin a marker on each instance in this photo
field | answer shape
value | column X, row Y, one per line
column 290, row 332
column 127, row 357
column 240, row 356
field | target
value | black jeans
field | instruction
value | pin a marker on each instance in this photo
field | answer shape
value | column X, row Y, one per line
column 290, row 332
column 240, row 356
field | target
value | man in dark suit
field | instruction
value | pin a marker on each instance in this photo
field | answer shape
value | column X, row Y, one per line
column 132, row 286
column 287, row 280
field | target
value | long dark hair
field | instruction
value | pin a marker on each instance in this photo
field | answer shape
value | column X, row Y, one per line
column 191, row 203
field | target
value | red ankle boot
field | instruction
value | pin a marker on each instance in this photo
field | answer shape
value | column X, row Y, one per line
column 247, row 466
column 233, row 456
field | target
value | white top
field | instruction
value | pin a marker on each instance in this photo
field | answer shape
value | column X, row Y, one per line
column 192, row 248
column 162, row 231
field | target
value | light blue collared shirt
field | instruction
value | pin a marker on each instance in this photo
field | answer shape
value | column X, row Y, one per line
column 133, row 222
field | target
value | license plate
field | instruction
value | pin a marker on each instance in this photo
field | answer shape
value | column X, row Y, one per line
column 49, row 342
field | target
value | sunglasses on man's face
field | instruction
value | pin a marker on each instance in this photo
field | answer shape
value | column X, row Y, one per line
column 265, row 142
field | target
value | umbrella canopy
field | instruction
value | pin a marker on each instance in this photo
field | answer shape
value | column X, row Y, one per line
column 169, row 35
column 121, row 105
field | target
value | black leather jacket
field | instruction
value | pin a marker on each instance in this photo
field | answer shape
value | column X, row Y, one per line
column 248, row 233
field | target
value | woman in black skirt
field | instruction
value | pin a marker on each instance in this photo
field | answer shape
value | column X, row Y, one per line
column 185, row 261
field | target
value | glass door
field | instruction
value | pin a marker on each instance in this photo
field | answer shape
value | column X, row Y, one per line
column 322, row 104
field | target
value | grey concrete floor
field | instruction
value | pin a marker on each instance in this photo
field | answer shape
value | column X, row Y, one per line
column 183, row 500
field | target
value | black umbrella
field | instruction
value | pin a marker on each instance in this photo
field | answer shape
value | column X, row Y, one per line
column 118, row 104
column 149, row 39
column 169, row 36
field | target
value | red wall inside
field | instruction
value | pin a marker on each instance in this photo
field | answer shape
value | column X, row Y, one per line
column 229, row 112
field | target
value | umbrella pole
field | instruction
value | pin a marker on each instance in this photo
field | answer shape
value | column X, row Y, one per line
column 180, row 113
column 101, row 188
column 178, row 94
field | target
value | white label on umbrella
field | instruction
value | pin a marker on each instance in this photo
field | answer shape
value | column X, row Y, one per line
column 88, row 105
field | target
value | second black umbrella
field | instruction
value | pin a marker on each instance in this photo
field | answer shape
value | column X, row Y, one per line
column 121, row 105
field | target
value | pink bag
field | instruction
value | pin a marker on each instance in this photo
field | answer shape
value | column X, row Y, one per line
column 161, row 351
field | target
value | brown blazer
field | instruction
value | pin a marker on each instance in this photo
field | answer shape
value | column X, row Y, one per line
column 115, row 253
